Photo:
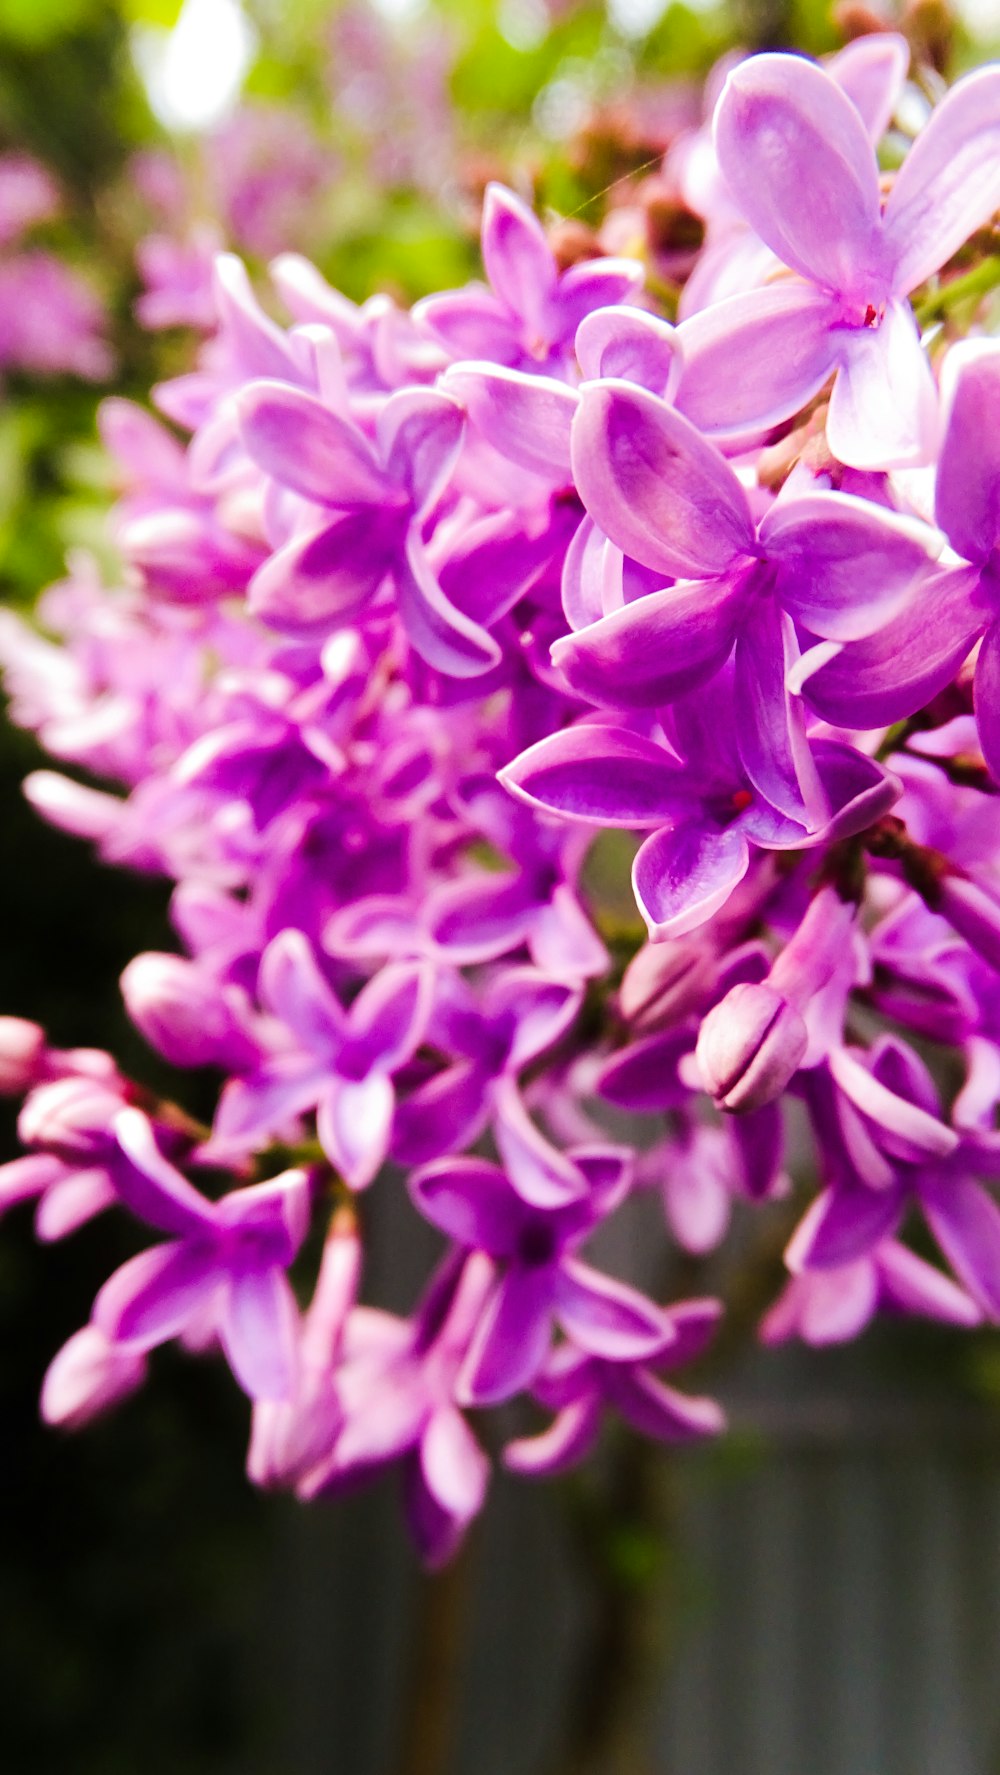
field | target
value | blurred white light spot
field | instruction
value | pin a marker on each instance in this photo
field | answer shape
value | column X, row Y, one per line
column 634, row 18
column 561, row 108
column 524, row 23
column 398, row 9
column 193, row 74
column 981, row 16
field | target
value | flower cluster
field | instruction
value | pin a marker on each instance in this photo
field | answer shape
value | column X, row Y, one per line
column 429, row 602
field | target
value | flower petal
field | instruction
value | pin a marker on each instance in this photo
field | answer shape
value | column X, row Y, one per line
column 606, row 1317
column 843, row 565
column 527, row 418
column 354, row 1123
column 779, row 115
column 682, row 876
column 949, row 184
column 258, row 1328
column 967, row 488
column 303, row 445
column 658, row 648
column 154, row 1295
column 604, row 775
column 511, row 1340
column 448, row 640
column 754, row 359
column 655, row 486
column 883, row 409
column 472, row 1202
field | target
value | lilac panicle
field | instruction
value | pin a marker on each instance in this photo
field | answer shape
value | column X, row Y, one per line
column 549, row 719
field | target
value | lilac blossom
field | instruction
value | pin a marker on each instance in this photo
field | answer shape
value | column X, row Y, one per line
column 440, row 627
column 845, row 311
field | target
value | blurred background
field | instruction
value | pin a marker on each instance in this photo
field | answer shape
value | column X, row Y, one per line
column 821, row 1593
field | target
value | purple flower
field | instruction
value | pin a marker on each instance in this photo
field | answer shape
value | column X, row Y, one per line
column 226, row 1258
column 829, row 564
column 396, row 1394
column 800, row 164
column 336, row 1062
column 579, row 1387
column 529, row 1219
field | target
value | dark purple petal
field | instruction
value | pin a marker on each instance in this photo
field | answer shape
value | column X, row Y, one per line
column 644, row 1076
column 965, row 1222
column 510, row 1343
column 151, row 1187
column 605, row 1317
column 843, row 1224
column 660, row 1411
column 154, row 1295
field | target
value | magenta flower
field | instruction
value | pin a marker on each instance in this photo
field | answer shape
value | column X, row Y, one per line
column 579, row 1387
column 226, row 1259
column 529, row 1220
column 845, row 313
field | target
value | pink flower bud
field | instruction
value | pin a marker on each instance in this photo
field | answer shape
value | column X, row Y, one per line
column 87, row 1376
column 749, row 1047
column 22, row 1055
column 71, row 1116
column 186, row 1014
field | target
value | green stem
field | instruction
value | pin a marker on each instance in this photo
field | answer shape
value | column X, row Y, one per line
column 970, row 287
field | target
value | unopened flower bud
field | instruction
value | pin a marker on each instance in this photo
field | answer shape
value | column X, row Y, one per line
column 184, row 1013
column 88, row 1376
column 71, row 1116
column 22, row 1055
column 749, row 1047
